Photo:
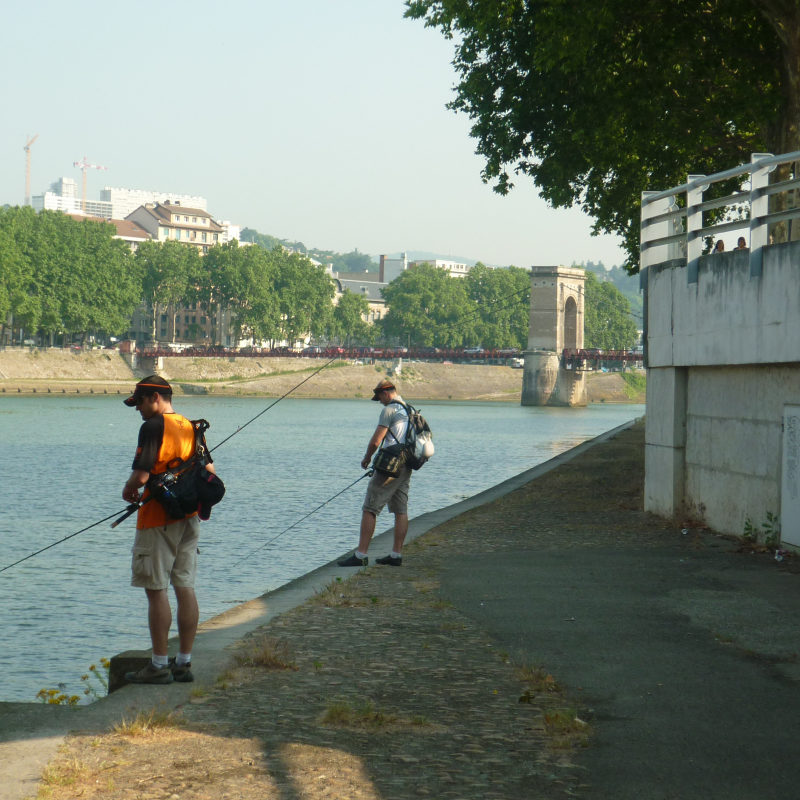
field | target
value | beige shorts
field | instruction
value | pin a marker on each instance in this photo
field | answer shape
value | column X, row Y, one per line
column 166, row 555
column 389, row 489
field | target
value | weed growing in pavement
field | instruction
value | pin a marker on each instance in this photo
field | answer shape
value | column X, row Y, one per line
column 146, row 723
column 62, row 773
column 753, row 536
column 266, row 652
column 340, row 713
column 566, row 729
column 225, row 679
column 317, row 665
column 537, row 679
column 338, row 593
column 96, row 680
column 198, row 692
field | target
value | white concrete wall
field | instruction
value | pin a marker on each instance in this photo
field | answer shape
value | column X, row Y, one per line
column 726, row 318
column 733, row 442
column 723, row 360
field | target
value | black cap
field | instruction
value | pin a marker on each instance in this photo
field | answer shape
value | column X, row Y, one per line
column 146, row 387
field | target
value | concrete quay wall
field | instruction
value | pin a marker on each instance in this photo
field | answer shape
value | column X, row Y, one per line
column 723, row 358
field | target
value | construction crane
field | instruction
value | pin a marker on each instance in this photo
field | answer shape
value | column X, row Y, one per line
column 27, row 150
column 83, row 166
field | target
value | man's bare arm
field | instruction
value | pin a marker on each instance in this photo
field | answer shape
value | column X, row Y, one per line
column 130, row 492
column 374, row 444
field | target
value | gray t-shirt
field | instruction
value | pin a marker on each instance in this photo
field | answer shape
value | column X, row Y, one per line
column 394, row 418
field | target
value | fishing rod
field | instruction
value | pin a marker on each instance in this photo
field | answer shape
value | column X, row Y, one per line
column 272, row 405
column 82, row 530
column 367, row 474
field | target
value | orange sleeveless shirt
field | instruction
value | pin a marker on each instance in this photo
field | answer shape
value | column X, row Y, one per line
column 178, row 442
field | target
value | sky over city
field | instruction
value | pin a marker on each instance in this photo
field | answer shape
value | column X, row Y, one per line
column 314, row 121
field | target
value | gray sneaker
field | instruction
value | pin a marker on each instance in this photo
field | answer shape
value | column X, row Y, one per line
column 150, row 674
column 182, row 673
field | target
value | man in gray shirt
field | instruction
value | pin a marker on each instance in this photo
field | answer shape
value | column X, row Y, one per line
column 384, row 488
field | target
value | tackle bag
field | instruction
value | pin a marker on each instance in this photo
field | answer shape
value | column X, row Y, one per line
column 187, row 486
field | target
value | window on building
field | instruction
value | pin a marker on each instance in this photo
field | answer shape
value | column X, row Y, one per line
column 205, row 248
column 194, row 320
column 177, row 234
column 163, row 331
column 186, row 320
column 186, row 219
column 202, row 320
column 203, row 236
column 194, row 219
column 163, row 317
column 377, row 315
column 216, row 237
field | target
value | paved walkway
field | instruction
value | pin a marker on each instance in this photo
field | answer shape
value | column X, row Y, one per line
column 555, row 642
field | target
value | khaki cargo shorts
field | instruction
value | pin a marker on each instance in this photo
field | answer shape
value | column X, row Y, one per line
column 166, row 555
column 391, row 489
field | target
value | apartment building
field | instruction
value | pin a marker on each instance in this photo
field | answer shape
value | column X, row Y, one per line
column 126, row 201
column 165, row 221
column 369, row 289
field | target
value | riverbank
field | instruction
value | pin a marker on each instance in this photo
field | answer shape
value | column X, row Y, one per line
column 555, row 642
column 106, row 372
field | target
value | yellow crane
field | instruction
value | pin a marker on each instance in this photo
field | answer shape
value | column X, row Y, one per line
column 84, row 166
column 27, row 150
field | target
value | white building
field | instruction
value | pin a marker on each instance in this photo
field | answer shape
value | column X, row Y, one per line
column 126, row 201
column 50, row 201
column 392, row 267
column 456, row 269
column 230, row 231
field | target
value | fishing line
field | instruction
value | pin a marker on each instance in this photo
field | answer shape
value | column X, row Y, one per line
column 272, row 405
column 367, row 474
column 93, row 525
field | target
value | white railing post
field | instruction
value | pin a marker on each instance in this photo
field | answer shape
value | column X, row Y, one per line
column 759, row 207
column 694, row 224
column 654, row 255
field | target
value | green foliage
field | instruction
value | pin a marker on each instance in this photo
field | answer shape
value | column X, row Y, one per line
column 599, row 102
column 60, row 274
column 429, row 307
column 769, row 534
column 607, row 321
column 502, row 298
column 635, row 384
column 347, row 322
column 269, row 242
column 627, row 284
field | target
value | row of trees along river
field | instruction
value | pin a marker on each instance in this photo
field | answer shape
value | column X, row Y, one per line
column 67, row 277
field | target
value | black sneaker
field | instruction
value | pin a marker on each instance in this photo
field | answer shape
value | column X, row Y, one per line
column 390, row 560
column 182, row 673
column 150, row 674
column 353, row 561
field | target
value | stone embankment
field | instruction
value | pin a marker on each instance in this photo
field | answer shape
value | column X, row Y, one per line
column 98, row 372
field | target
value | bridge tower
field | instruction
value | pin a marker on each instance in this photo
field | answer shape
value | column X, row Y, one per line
column 556, row 322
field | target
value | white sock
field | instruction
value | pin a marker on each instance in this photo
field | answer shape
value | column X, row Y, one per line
column 359, row 554
column 395, row 555
column 183, row 658
column 160, row 661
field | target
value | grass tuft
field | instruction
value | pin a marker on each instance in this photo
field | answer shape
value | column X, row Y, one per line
column 537, row 678
column 146, row 723
column 339, row 593
column 64, row 773
column 566, row 729
column 265, row 652
column 360, row 715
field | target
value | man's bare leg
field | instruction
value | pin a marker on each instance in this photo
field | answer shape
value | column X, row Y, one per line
column 368, row 520
column 400, row 531
column 188, row 617
column 159, row 618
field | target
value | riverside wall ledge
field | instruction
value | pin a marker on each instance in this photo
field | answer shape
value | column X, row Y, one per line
column 31, row 733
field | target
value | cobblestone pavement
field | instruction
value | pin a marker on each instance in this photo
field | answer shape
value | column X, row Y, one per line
column 381, row 689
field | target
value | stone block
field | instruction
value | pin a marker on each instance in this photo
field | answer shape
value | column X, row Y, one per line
column 129, row 661
column 666, row 407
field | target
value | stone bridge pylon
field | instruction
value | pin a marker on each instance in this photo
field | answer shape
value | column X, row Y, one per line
column 556, row 322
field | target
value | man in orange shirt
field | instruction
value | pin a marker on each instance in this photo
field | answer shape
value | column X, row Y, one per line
column 165, row 550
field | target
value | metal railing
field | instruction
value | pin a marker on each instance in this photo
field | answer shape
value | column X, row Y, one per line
column 667, row 228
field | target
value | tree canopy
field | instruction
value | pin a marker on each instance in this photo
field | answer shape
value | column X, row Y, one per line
column 601, row 102
column 607, row 321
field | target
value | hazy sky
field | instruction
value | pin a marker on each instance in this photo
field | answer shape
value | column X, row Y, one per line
column 313, row 120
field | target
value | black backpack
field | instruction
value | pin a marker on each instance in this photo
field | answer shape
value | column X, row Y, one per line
column 187, row 486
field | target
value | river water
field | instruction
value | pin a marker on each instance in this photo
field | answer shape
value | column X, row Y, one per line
column 64, row 460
